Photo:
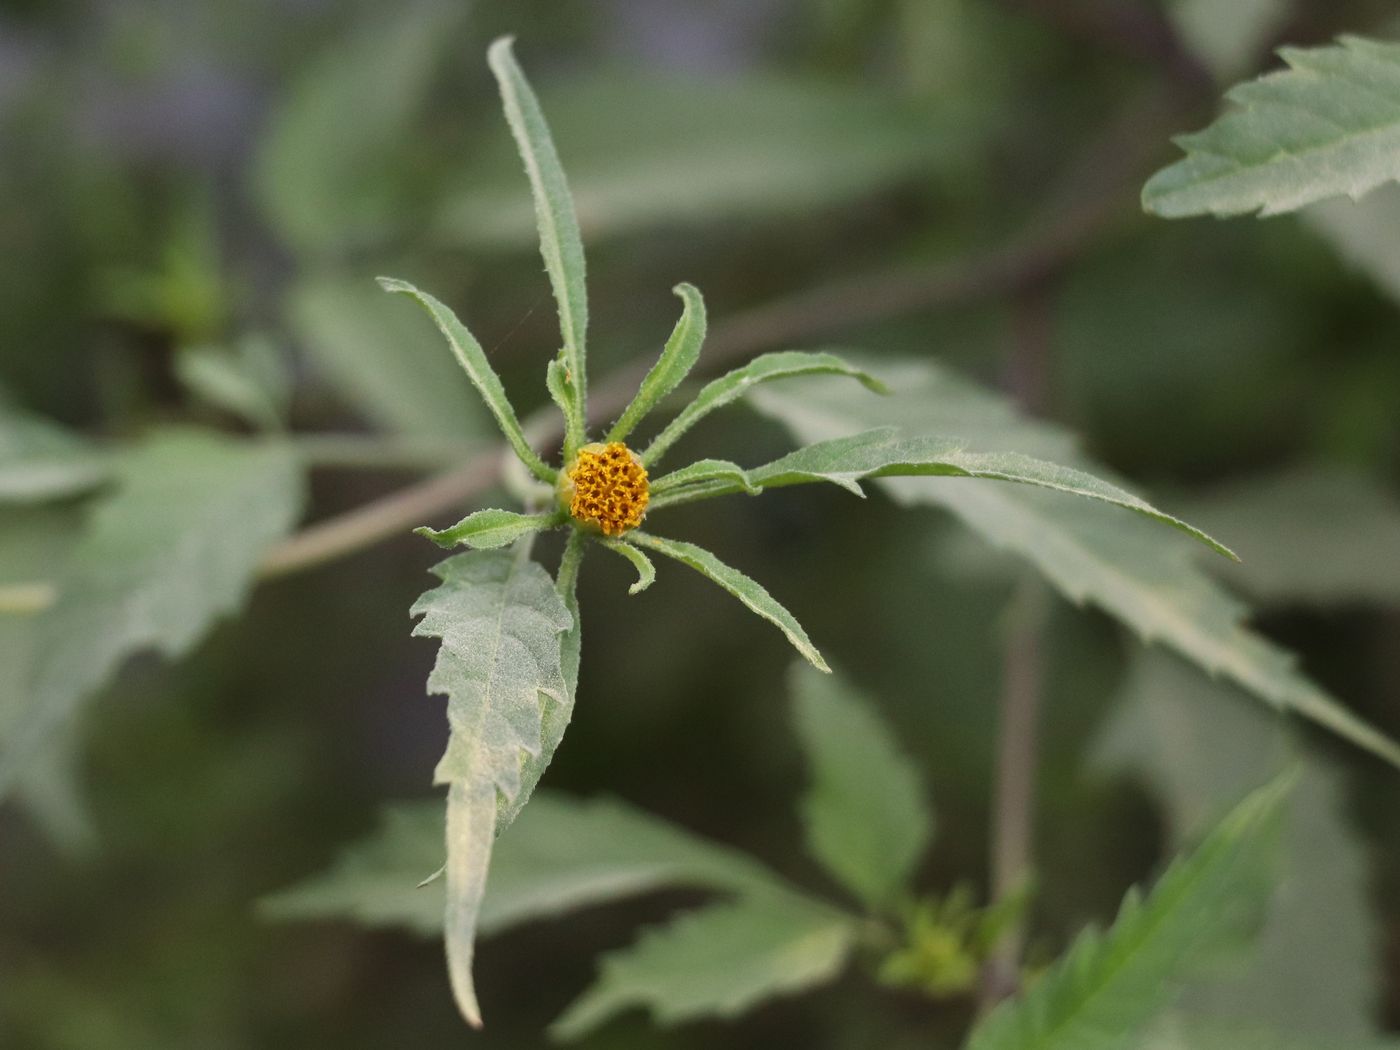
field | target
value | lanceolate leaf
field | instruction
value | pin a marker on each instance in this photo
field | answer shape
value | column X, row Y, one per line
column 479, row 371
column 706, row 473
column 646, row 571
column 1128, row 566
column 866, row 817
column 560, row 242
column 1329, row 125
column 728, row 388
column 490, row 528
column 678, row 357
column 1109, row 985
column 41, row 461
column 885, row 453
column 500, row 621
column 718, row 961
column 736, row 583
column 173, row 550
column 561, row 854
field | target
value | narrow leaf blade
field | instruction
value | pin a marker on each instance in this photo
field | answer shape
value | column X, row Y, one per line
column 678, row 357
column 784, row 364
column 736, row 583
column 490, row 528
column 479, row 371
column 560, row 241
column 646, row 571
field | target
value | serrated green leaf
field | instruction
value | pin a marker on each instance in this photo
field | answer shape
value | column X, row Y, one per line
column 500, row 620
column 865, row 812
column 174, row 549
column 1109, row 985
column 717, row 961
column 41, row 461
column 784, row 364
column 757, row 599
column 678, row 357
column 559, row 855
column 1197, row 743
column 490, row 528
column 885, row 453
column 1129, row 567
column 1328, row 125
column 473, row 361
column 560, row 241
column 646, row 571
column 706, row 475
column 650, row 150
column 329, row 172
column 1283, row 520
column 382, row 360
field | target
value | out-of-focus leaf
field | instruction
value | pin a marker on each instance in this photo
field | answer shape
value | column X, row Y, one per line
column 34, row 545
column 728, row 388
column 490, row 528
column 41, row 461
column 499, row 619
column 1124, row 565
column 329, row 172
column 561, row 245
column 223, row 380
column 1198, row 743
column 752, row 594
column 1362, row 232
column 717, row 961
column 1179, row 1033
column 1329, row 125
column 1310, row 535
column 474, row 362
column 866, row 816
column 678, row 357
column 1109, row 985
column 559, row 855
column 1228, row 36
column 650, row 150
column 380, row 356
column 170, row 552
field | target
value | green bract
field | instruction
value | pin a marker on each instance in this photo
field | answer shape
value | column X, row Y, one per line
column 510, row 635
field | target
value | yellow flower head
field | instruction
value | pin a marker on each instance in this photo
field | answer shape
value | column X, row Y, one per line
column 606, row 487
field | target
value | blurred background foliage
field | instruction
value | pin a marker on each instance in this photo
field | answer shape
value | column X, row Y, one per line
column 194, row 197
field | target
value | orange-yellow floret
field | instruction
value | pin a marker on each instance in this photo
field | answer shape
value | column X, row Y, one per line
column 607, row 488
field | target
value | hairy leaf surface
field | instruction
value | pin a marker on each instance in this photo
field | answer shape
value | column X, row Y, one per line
column 170, row 552
column 490, row 528
column 678, row 357
column 1110, row 984
column 1126, row 565
column 1328, row 125
column 865, row 812
column 499, row 619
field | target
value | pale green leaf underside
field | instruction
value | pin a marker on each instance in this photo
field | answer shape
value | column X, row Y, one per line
column 173, row 549
column 490, row 528
column 1327, row 126
column 473, row 361
column 865, row 812
column 784, row 364
column 678, row 357
column 561, row 245
column 646, row 571
column 500, row 621
column 560, row 854
column 753, row 595
column 40, row 461
column 1124, row 564
column 717, row 961
column 1109, row 985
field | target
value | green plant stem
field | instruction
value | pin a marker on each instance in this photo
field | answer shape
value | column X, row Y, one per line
column 567, row 576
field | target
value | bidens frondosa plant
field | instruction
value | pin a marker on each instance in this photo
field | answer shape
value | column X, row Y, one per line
column 510, row 633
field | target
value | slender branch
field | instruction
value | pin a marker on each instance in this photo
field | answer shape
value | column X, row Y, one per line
column 369, row 451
